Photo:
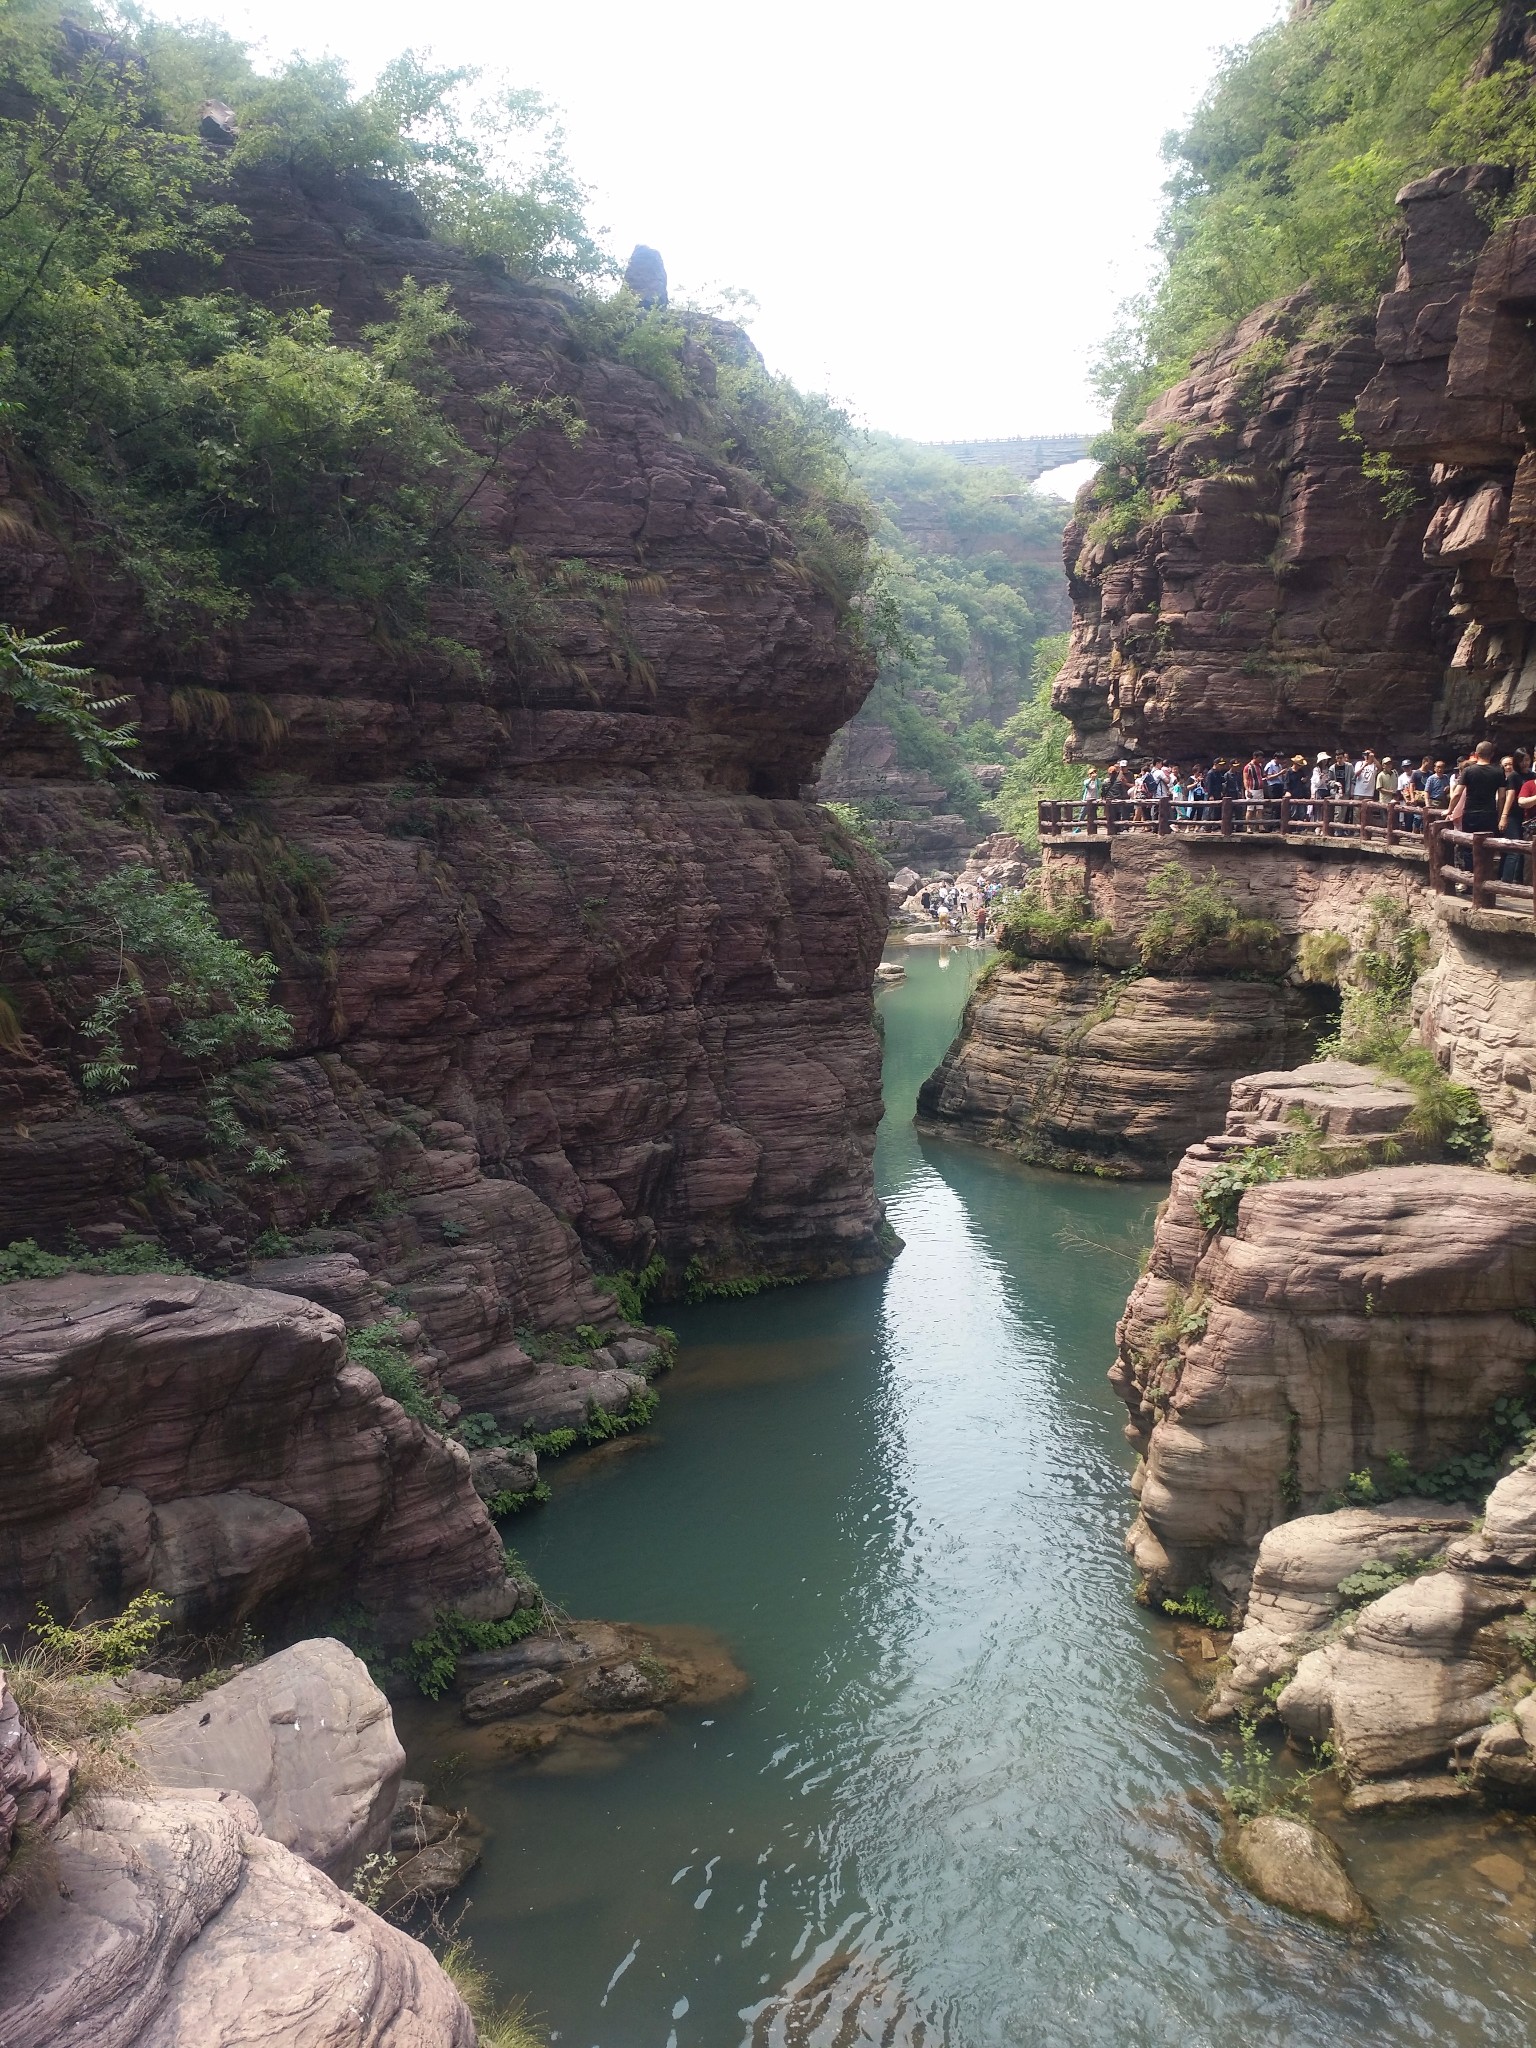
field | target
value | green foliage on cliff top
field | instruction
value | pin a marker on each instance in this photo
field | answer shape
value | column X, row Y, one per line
column 209, row 447
column 1286, row 175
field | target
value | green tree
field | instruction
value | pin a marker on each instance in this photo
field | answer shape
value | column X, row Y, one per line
column 1285, row 178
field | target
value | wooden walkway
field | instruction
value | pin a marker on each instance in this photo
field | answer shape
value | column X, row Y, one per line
column 1464, row 864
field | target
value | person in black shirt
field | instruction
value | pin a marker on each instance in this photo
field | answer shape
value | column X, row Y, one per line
column 1482, row 782
column 1477, row 808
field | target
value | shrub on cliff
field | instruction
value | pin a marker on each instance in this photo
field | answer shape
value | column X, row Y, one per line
column 1286, row 176
column 1197, row 928
column 1048, row 921
column 1376, row 1028
column 129, row 956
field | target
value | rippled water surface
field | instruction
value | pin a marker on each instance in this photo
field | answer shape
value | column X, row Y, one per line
column 965, row 1802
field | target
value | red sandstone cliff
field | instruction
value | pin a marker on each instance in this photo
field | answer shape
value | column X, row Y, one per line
column 574, row 971
column 1271, row 597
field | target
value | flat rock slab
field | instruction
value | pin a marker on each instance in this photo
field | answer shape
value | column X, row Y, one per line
column 1392, row 1794
column 306, row 1736
column 500, row 1699
column 1293, row 1865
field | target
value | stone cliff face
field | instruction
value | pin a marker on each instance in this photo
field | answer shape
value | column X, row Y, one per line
column 213, row 1442
column 1339, row 1322
column 1455, row 388
column 1239, row 581
column 575, row 974
column 1091, row 1064
column 1278, row 593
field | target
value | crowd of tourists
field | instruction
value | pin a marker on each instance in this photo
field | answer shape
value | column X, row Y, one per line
column 960, row 907
column 1478, row 792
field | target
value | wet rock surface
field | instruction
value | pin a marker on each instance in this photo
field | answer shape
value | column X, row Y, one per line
column 583, row 1689
column 1293, row 1865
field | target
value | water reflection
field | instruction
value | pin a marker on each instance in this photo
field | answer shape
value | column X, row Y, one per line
column 955, row 1811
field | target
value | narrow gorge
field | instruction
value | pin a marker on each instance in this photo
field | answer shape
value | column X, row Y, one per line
column 516, row 822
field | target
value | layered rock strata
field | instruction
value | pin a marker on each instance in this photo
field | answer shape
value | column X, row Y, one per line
column 575, row 975
column 212, row 1441
column 1402, row 1635
column 1089, row 1061
column 1345, row 1320
column 173, row 1922
column 1455, row 389
column 1238, row 580
column 1067, row 1064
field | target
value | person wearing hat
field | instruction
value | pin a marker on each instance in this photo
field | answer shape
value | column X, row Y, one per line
column 1298, row 784
column 1322, row 775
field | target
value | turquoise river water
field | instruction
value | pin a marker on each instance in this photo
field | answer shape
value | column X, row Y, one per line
column 966, row 1801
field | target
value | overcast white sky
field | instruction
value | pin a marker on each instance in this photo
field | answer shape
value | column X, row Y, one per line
column 939, row 208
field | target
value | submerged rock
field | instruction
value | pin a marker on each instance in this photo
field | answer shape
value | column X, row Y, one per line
column 1293, row 1865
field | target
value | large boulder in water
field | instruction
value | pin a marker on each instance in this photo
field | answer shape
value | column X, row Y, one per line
column 1294, row 1865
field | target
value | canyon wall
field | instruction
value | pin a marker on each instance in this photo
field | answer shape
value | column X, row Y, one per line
column 1238, row 581
column 575, row 973
column 1093, row 1063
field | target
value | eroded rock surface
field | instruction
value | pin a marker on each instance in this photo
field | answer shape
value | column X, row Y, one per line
column 1345, row 1320
column 1404, row 1683
column 174, row 1923
column 1067, row 1064
column 212, row 1440
column 1271, row 598
column 1296, row 1587
column 306, row 1736
column 576, row 975
column 33, row 1787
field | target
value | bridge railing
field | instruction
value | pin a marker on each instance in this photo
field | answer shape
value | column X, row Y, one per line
column 1229, row 817
column 1469, row 865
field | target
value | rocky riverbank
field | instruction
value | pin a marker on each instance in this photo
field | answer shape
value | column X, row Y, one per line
column 196, row 1897
column 1330, row 1382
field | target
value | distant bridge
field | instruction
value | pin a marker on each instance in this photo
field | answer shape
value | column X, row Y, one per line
column 1025, row 455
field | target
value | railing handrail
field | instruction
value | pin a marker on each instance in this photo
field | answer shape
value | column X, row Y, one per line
column 1422, row 830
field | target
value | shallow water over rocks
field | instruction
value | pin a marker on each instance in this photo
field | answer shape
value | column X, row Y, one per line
column 965, row 1801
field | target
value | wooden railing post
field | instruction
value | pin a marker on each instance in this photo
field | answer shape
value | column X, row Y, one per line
column 1226, row 817
column 1391, row 824
column 1091, row 810
column 1480, row 871
column 1164, row 816
column 1285, row 814
column 1432, row 847
column 1325, row 814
